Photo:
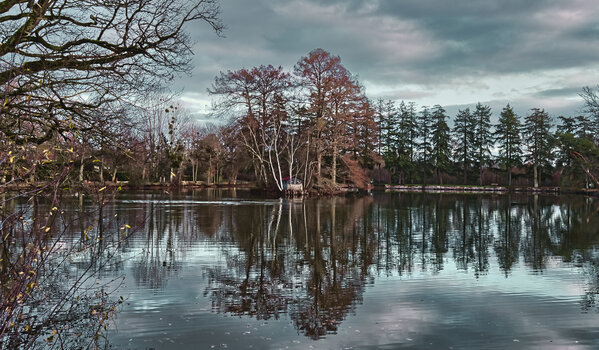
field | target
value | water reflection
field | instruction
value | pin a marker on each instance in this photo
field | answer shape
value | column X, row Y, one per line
column 312, row 260
column 311, row 266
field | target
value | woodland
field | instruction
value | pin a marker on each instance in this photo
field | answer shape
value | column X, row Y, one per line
column 314, row 123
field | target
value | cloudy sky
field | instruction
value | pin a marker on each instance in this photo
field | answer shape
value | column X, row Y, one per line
column 532, row 53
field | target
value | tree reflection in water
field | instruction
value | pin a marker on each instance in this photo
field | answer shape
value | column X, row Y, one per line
column 312, row 260
column 314, row 268
column 317, row 266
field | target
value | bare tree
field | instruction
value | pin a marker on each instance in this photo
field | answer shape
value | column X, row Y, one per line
column 591, row 107
column 60, row 61
column 258, row 99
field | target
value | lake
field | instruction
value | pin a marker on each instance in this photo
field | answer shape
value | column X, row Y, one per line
column 214, row 269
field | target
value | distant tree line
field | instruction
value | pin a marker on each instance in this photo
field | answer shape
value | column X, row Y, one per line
column 313, row 123
column 419, row 146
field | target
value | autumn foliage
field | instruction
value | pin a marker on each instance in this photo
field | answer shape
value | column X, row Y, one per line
column 314, row 124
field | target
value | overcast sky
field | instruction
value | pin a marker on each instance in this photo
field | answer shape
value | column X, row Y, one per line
column 529, row 53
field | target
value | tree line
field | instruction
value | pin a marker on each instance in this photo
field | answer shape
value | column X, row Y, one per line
column 313, row 123
column 420, row 147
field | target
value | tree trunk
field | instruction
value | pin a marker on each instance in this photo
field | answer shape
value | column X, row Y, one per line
column 319, row 166
column 193, row 171
column 102, row 170
column 509, row 176
column 334, row 176
column 81, row 169
column 480, row 175
column 536, row 176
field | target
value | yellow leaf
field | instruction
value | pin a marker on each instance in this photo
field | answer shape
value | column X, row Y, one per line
column 47, row 229
column 30, row 286
column 173, row 174
column 12, row 158
column 127, row 226
column 54, row 208
column 102, row 189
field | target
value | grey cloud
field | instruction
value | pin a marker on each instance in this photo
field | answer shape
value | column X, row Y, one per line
column 432, row 44
column 521, row 107
column 562, row 92
column 496, row 36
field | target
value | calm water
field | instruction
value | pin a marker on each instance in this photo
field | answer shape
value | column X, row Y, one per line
column 221, row 269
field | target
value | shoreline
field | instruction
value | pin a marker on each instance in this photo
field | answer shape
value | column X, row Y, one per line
column 488, row 189
column 125, row 185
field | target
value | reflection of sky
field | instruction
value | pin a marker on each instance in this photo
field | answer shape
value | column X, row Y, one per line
column 446, row 307
column 556, row 281
column 420, row 309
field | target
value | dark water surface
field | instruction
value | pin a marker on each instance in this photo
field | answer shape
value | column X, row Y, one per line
column 221, row 269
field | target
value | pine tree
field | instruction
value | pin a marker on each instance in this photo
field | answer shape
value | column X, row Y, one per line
column 387, row 119
column 567, row 125
column 406, row 138
column 483, row 140
column 584, row 127
column 572, row 134
column 507, row 135
column 464, row 139
column 440, row 138
column 537, row 132
column 425, row 122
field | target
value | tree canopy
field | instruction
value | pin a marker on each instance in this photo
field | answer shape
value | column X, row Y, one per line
column 66, row 64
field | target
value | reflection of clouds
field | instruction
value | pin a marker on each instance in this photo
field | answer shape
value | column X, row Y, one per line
column 371, row 276
column 422, row 314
